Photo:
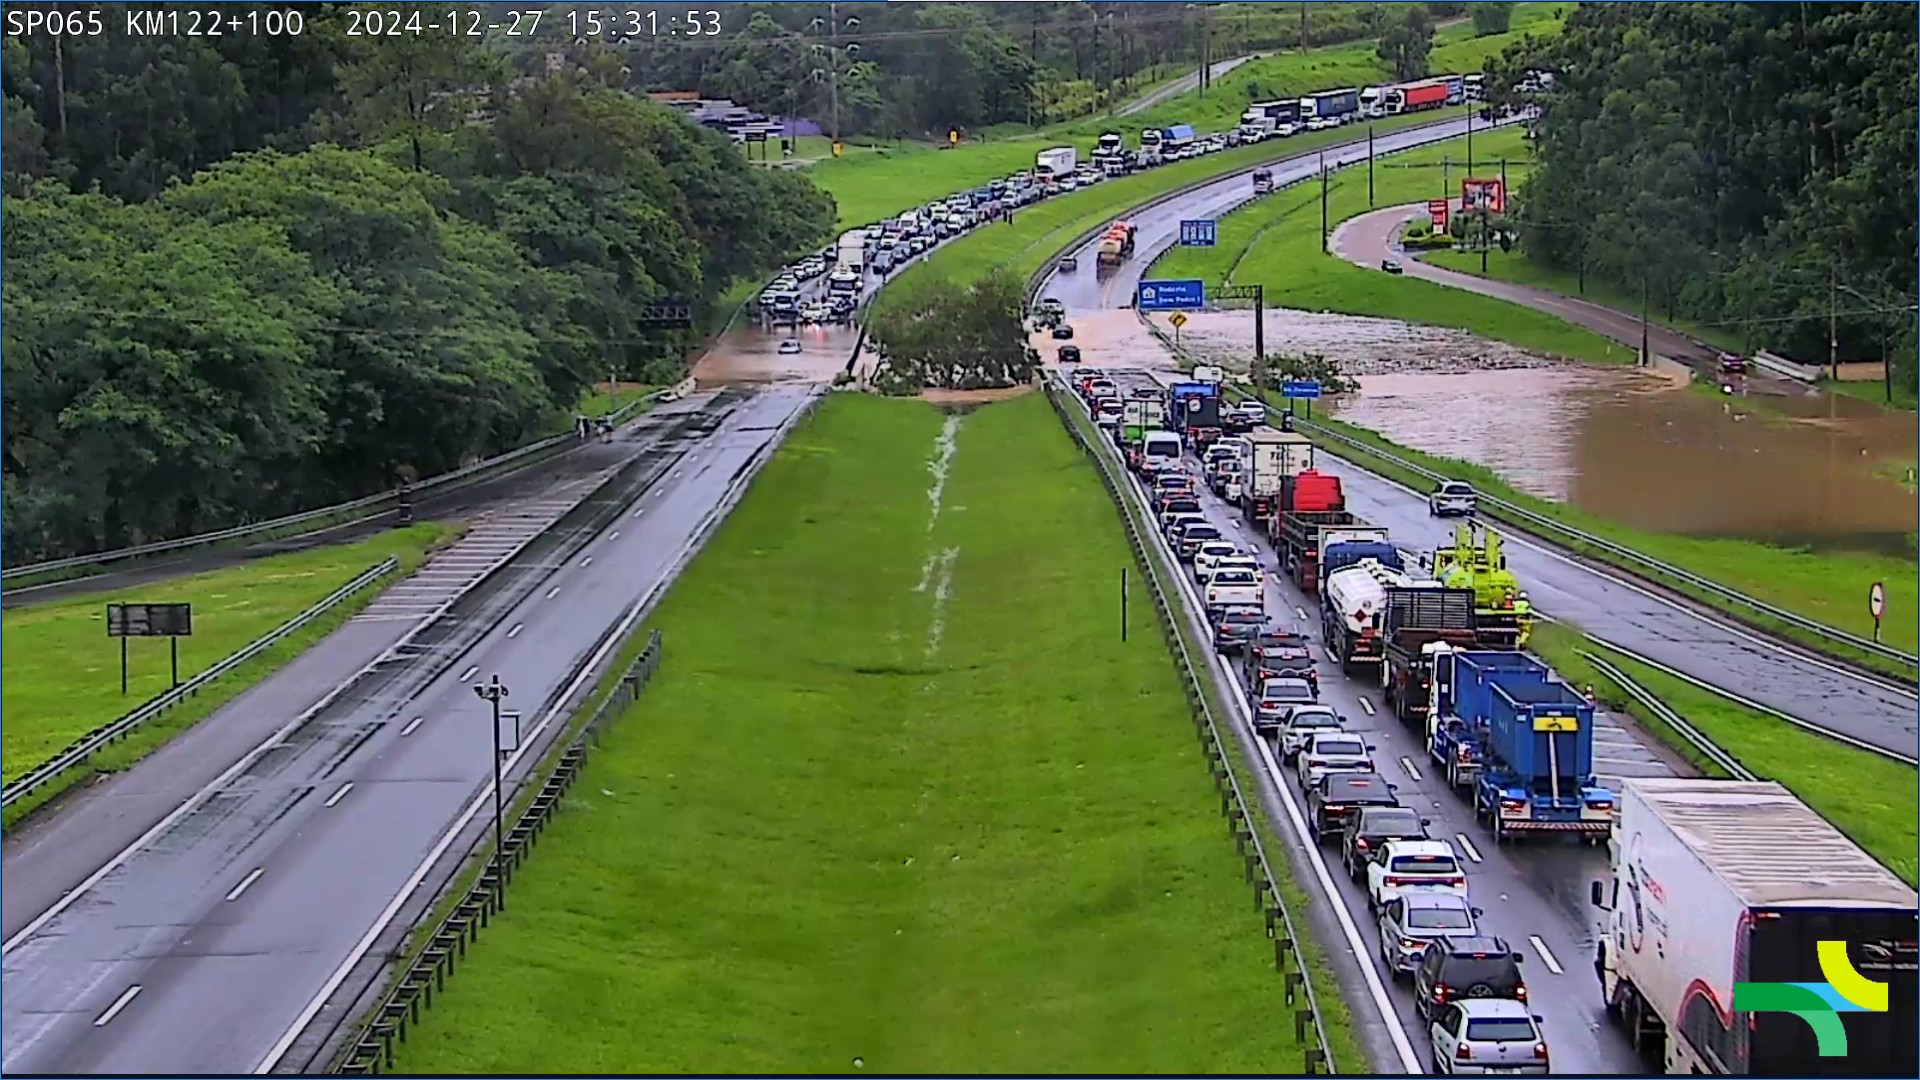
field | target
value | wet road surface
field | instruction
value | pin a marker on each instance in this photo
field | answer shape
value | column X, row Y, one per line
column 1533, row 893
column 198, row 947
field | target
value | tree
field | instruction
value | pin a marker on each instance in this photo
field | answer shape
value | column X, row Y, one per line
column 1491, row 18
column 936, row 336
column 1406, row 46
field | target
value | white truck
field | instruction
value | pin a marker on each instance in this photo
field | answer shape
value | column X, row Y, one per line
column 1373, row 102
column 1720, row 882
column 1276, row 456
column 851, row 254
column 1208, row 373
column 1110, row 145
column 1054, row 165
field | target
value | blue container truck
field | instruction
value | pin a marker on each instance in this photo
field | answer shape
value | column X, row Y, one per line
column 1338, row 106
column 1456, row 88
column 1534, row 735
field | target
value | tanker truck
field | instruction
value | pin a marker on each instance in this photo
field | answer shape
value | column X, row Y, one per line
column 1116, row 244
column 1353, row 607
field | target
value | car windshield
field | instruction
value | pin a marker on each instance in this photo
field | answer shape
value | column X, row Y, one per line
column 1414, row 865
column 1339, row 748
column 1234, row 577
column 1439, row 918
column 1199, row 531
column 1512, row 1029
column 1284, row 690
column 1392, row 822
column 1456, row 489
column 1315, row 720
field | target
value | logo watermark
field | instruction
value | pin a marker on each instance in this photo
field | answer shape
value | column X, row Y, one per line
column 1819, row 1004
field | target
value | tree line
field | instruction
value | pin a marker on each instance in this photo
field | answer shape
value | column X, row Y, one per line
column 248, row 275
column 1747, row 166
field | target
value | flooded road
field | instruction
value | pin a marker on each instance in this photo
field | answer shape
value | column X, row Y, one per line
column 750, row 353
column 1638, row 447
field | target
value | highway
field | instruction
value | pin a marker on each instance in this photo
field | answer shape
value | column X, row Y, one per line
column 1185, row 84
column 1534, row 895
column 209, row 941
column 1638, row 617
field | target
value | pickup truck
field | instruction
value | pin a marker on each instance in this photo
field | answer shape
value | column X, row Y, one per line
column 1234, row 587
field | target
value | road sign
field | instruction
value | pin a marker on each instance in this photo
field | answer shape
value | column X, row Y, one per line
column 1300, row 388
column 836, row 148
column 1178, row 319
column 1199, row 232
column 1171, row 295
column 1437, row 210
column 1877, row 600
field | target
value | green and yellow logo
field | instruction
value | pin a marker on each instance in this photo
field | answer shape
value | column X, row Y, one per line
column 1819, row 1004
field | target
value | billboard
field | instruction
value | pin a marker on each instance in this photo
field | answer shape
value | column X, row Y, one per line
column 1483, row 195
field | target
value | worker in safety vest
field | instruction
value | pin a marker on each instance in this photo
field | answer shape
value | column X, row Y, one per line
column 1523, row 610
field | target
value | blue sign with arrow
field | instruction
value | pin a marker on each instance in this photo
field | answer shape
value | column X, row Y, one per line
column 1198, row 232
column 1171, row 295
column 1300, row 388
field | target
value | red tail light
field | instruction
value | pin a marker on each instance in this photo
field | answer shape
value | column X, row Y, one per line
column 1464, row 1052
column 1521, row 993
column 1441, row 991
column 1459, row 882
column 1513, row 804
column 1539, row 1051
column 1362, row 845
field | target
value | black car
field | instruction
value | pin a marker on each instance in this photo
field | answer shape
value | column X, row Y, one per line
column 1340, row 795
column 1062, row 332
column 1281, row 652
column 1372, row 827
column 1466, row 967
column 1235, row 627
column 1069, row 354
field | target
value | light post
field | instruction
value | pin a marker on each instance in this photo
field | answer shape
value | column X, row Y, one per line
column 494, row 692
column 832, row 24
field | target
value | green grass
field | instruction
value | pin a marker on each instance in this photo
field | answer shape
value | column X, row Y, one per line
column 1275, row 242
column 821, row 840
column 1871, row 799
column 1904, row 397
column 63, row 673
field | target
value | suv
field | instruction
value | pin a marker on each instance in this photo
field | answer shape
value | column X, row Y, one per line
column 1373, row 828
column 1276, row 699
column 1339, row 795
column 1453, row 497
column 1281, row 652
column 1333, row 751
column 1466, row 967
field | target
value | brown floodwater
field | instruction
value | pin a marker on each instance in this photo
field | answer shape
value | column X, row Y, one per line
column 748, row 353
column 1768, row 462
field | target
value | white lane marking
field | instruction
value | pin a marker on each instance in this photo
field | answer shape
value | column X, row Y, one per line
column 676, row 472
column 1407, row 764
column 553, row 592
column 469, row 673
column 411, row 724
column 1366, row 705
column 515, row 632
column 614, row 535
column 1328, row 649
column 588, row 561
column 119, row 1003
column 1466, row 845
column 1302, row 612
column 1546, row 955
column 341, row 794
column 246, row 881
column 638, row 512
column 528, row 740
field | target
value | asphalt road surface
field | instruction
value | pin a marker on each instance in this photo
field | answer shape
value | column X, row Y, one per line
column 1533, row 893
column 206, row 944
column 1602, row 602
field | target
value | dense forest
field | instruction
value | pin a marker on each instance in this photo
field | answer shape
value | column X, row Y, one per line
column 1748, row 166
column 248, row 275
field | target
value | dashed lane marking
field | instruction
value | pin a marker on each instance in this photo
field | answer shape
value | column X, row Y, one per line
column 411, row 725
column 1366, row 705
column 336, row 796
column 1407, row 764
column 1466, row 845
column 245, row 882
column 469, row 673
column 553, row 592
column 119, row 1003
column 515, row 632
column 1546, row 955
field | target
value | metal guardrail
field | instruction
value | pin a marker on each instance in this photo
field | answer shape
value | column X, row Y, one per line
column 109, row 733
column 1542, row 524
column 365, row 508
column 1268, row 899
column 1664, row 713
column 412, row 993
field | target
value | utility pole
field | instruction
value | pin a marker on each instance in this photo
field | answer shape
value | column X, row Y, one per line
column 1095, row 80
column 1306, row 34
column 1833, row 320
column 1369, row 166
column 1469, row 142
column 1645, row 347
column 833, row 66
column 494, row 692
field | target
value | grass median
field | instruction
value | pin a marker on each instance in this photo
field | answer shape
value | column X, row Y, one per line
column 1871, row 799
column 63, row 672
column 899, row 800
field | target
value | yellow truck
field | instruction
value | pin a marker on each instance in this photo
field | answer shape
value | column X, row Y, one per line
column 1502, row 615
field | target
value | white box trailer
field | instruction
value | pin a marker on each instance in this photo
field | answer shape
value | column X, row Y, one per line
column 1276, row 456
column 1718, row 882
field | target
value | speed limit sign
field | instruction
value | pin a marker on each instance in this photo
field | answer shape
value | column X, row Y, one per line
column 1877, row 606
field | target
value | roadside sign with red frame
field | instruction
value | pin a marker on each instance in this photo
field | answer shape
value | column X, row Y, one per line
column 1483, row 195
column 1437, row 210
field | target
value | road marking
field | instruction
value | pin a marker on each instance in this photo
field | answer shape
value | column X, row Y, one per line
column 1546, row 955
column 119, row 1003
column 1466, row 845
column 553, row 592
column 469, row 673
column 588, row 561
column 640, row 511
column 1302, row 612
column 614, row 535
column 334, row 798
column 411, row 724
column 1407, row 764
column 515, row 632
column 248, row 880
column 1365, row 704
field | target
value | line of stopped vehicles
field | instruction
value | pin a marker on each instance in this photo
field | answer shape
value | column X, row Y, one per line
column 1712, row 882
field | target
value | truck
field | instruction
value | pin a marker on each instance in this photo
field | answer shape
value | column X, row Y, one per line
column 1194, row 410
column 1373, row 102
column 1275, row 458
column 1177, row 137
column 1503, row 615
column 851, row 252
column 1330, row 106
column 1139, row 416
column 1053, row 165
column 1265, row 119
column 1535, row 736
column 1116, row 244
column 1476, row 87
column 1111, row 144
column 1416, row 618
column 1300, row 534
column 1714, row 883
column 1353, row 602
column 1456, row 88
column 1150, row 146
column 1417, row 96
column 1340, row 546
column 1262, row 181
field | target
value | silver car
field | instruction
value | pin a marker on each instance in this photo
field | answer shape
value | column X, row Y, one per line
column 1453, row 498
column 1332, row 751
column 1277, row 698
column 1409, row 922
column 1302, row 724
column 1488, row 1035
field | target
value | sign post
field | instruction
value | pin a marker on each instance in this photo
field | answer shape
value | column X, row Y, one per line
column 1877, row 606
column 1300, row 390
column 1437, row 210
column 1199, row 232
column 170, row 621
column 1178, row 319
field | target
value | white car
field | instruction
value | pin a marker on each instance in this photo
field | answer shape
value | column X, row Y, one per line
column 1241, row 563
column 1234, row 587
column 1209, row 552
column 1453, row 497
column 789, row 347
column 1251, row 411
column 1306, row 722
column 1403, row 866
column 1488, row 1035
column 1332, row 752
column 816, row 312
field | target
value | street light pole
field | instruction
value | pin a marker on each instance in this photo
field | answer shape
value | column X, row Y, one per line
column 494, row 692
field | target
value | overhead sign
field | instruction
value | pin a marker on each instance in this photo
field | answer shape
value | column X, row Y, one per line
column 149, row 620
column 1437, row 210
column 1171, row 295
column 1178, row 319
column 672, row 313
column 1489, row 196
column 1877, row 600
column 1300, row 388
column 1199, row 232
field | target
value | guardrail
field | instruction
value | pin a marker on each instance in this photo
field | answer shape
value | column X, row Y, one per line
column 346, row 513
column 109, row 733
column 412, row 993
column 1541, row 524
column 1661, row 711
column 1268, row 899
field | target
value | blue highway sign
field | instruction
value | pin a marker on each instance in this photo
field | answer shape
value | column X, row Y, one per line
column 1198, row 232
column 1300, row 388
column 1171, row 295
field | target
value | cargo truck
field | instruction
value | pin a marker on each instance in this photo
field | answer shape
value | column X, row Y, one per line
column 1302, row 538
column 851, row 253
column 1417, row 96
column 1415, row 619
column 1150, row 146
column 1139, row 416
column 1116, row 244
column 1176, row 138
column 1274, row 457
column 1373, row 102
column 1193, row 408
column 1714, row 883
column 1110, row 145
column 1256, row 123
column 1054, row 165
column 1535, row 737
column 1456, row 88
column 1353, row 606
column 1331, row 106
